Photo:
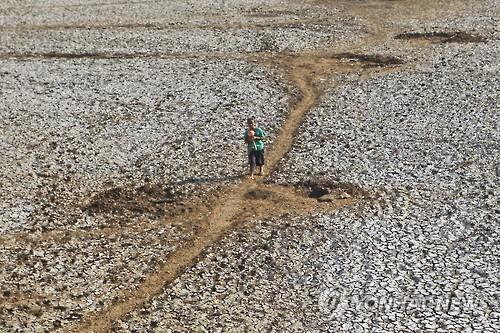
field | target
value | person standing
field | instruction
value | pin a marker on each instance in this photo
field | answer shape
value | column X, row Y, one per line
column 254, row 138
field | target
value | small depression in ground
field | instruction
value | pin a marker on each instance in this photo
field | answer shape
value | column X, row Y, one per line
column 443, row 37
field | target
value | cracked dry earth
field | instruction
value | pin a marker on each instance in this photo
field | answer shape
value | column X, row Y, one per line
column 124, row 208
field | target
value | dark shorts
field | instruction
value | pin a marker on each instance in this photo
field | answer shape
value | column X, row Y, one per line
column 256, row 157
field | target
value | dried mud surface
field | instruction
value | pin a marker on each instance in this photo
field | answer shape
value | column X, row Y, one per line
column 124, row 205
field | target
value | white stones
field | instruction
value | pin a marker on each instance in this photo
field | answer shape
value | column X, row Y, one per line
column 343, row 195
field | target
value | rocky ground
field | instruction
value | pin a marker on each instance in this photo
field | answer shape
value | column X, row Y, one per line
column 122, row 121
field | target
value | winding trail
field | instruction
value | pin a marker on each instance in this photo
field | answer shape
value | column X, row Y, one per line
column 228, row 212
column 229, row 209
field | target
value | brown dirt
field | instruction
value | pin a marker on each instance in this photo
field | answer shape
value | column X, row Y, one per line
column 236, row 206
column 145, row 199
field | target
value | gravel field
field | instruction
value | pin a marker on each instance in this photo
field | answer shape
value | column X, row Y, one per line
column 80, row 133
column 293, row 37
column 434, row 127
column 172, row 27
column 117, row 115
column 66, row 12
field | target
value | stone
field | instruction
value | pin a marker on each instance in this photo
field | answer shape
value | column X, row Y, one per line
column 327, row 198
column 319, row 191
column 343, row 195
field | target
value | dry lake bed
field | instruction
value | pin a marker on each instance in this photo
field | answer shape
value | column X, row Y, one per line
column 124, row 200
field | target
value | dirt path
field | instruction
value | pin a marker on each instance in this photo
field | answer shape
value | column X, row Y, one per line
column 231, row 209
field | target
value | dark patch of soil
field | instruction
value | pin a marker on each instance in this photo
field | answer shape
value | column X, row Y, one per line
column 317, row 188
column 371, row 59
column 258, row 194
column 141, row 200
column 443, row 37
column 318, row 191
column 84, row 55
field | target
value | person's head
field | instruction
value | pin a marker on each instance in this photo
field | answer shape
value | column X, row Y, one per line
column 251, row 123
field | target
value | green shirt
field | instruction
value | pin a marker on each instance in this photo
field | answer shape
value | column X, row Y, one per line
column 259, row 144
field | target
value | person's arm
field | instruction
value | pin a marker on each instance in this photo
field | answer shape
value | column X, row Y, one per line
column 245, row 137
column 262, row 135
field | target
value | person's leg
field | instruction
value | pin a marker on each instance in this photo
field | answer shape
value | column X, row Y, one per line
column 252, row 161
column 260, row 161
